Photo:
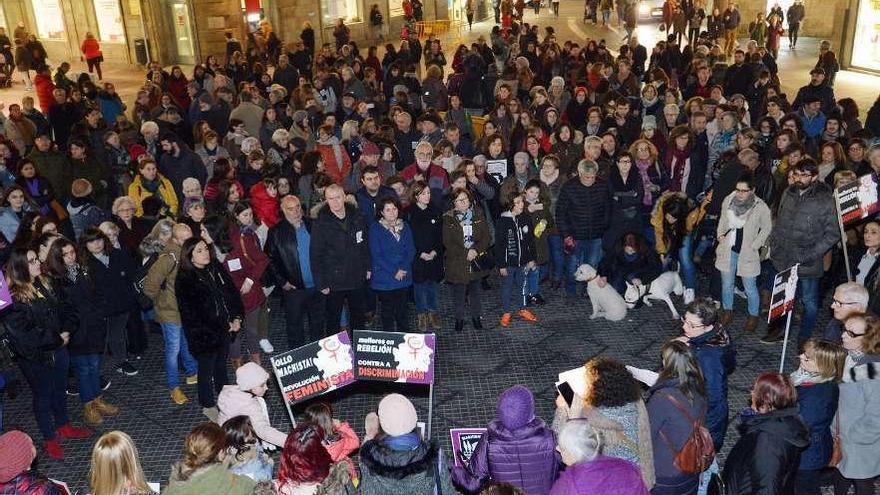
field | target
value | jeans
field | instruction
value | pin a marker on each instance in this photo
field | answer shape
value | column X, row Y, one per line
column 533, row 280
column 808, row 287
column 586, row 251
column 426, row 296
column 728, row 282
column 514, row 281
column 87, row 368
column 48, row 386
column 606, row 17
column 299, row 303
column 394, row 314
column 707, row 475
column 686, row 262
column 177, row 349
column 212, row 376
column 458, row 297
column 557, row 256
column 682, row 485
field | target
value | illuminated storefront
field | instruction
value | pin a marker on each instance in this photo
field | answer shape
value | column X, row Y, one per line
column 866, row 45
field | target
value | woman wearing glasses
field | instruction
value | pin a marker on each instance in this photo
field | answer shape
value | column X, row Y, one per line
column 466, row 242
column 856, row 421
column 743, row 227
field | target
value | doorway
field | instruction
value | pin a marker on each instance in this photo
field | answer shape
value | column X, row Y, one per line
column 183, row 33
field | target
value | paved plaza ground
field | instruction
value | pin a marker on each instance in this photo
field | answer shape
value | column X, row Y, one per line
column 472, row 369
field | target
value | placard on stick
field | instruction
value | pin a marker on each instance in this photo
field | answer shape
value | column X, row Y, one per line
column 314, row 369
column 394, row 357
column 464, row 443
column 858, row 200
column 783, row 295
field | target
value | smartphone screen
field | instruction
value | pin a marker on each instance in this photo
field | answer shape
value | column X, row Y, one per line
column 566, row 392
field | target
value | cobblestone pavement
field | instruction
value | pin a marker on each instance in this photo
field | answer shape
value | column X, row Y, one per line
column 472, row 368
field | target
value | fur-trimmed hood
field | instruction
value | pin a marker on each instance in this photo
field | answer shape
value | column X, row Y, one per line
column 385, row 462
column 867, row 368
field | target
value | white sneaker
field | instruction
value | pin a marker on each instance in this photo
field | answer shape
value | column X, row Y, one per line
column 266, row 346
column 688, row 296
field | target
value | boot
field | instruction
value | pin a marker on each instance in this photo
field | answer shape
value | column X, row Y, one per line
column 178, row 396
column 256, row 357
column 751, row 324
column 435, row 320
column 422, row 319
column 70, row 431
column 765, row 301
column 725, row 317
column 91, row 415
column 236, row 364
column 774, row 335
column 104, row 408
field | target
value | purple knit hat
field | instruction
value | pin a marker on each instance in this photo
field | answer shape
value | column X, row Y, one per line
column 516, row 407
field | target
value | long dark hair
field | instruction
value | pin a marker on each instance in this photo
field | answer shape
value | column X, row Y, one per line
column 218, row 228
column 680, row 365
column 55, row 259
column 240, row 435
column 186, row 252
column 677, row 206
column 91, row 234
column 321, row 413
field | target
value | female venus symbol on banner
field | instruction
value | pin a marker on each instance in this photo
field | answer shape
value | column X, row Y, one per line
column 412, row 355
column 333, row 357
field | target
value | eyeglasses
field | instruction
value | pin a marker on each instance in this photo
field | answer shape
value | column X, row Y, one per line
column 838, row 302
column 853, row 334
column 691, row 324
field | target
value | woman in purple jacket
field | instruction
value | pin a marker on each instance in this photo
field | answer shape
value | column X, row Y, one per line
column 518, row 448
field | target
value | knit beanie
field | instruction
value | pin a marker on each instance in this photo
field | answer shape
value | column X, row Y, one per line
column 397, row 415
column 516, row 407
column 250, row 376
column 16, row 454
column 369, row 148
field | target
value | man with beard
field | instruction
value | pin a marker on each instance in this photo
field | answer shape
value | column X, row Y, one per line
column 805, row 229
column 424, row 169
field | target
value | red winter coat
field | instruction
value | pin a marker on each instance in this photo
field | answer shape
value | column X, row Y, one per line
column 44, row 87
column 91, row 49
column 265, row 206
column 339, row 172
column 246, row 260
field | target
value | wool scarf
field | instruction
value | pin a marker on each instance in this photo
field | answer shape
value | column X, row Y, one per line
column 644, row 166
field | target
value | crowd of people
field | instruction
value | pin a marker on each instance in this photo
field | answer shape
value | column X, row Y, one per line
column 350, row 187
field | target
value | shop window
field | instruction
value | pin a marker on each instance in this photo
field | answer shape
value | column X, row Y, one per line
column 395, row 8
column 50, row 20
column 109, row 16
column 331, row 10
column 866, row 48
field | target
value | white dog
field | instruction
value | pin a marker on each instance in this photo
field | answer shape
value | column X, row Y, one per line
column 607, row 303
column 660, row 288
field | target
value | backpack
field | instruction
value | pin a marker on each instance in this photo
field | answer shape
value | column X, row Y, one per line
column 698, row 451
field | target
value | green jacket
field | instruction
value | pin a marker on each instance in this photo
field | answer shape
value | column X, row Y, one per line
column 55, row 167
column 758, row 32
column 159, row 284
column 213, row 479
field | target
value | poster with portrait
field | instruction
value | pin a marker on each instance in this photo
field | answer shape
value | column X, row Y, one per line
column 858, row 200
column 394, row 357
column 783, row 296
column 315, row 368
column 464, row 443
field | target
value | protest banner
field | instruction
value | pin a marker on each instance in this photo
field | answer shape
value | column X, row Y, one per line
column 497, row 169
column 396, row 357
column 855, row 201
column 314, row 369
column 782, row 301
column 464, row 443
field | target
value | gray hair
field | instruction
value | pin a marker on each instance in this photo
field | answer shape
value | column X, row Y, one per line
column 855, row 293
column 672, row 107
column 580, row 440
column 521, row 157
column 121, row 201
column 588, row 167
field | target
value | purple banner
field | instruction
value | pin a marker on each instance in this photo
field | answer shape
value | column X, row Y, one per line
column 394, row 357
column 464, row 443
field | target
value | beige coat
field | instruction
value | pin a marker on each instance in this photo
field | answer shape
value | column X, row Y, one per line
column 755, row 232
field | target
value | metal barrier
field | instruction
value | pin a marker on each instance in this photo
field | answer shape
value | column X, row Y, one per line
column 437, row 28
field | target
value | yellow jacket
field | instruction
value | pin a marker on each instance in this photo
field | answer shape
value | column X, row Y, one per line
column 693, row 219
column 139, row 193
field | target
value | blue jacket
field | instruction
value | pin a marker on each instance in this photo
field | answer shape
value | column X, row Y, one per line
column 367, row 203
column 389, row 255
column 813, row 127
column 670, row 429
column 818, row 405
column 9, row 222
column 717, row 358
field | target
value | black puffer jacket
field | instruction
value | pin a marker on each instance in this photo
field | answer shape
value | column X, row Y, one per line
column 91, row 330
column 766, row 457
column 340, row 252
column 583, row 212
column 805, row 229
column 514, row 240
column 208, row 301
column 386, row 471
column 114, row 283
column 35, row 327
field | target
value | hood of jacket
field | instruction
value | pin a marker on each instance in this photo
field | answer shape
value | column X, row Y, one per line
column 398, row 464
column 533, row 428
column 785, row 424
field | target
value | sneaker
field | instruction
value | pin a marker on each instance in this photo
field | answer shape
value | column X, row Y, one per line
column 527, row 315
column 53, row 449
column 266, row 346
column 539, row 300
column 105, row 383
column 126, row 369
column 211, row 413
column 192, row 379
column 72, row 388
column 505, row 320
column 178, row 396
column 70, row 431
